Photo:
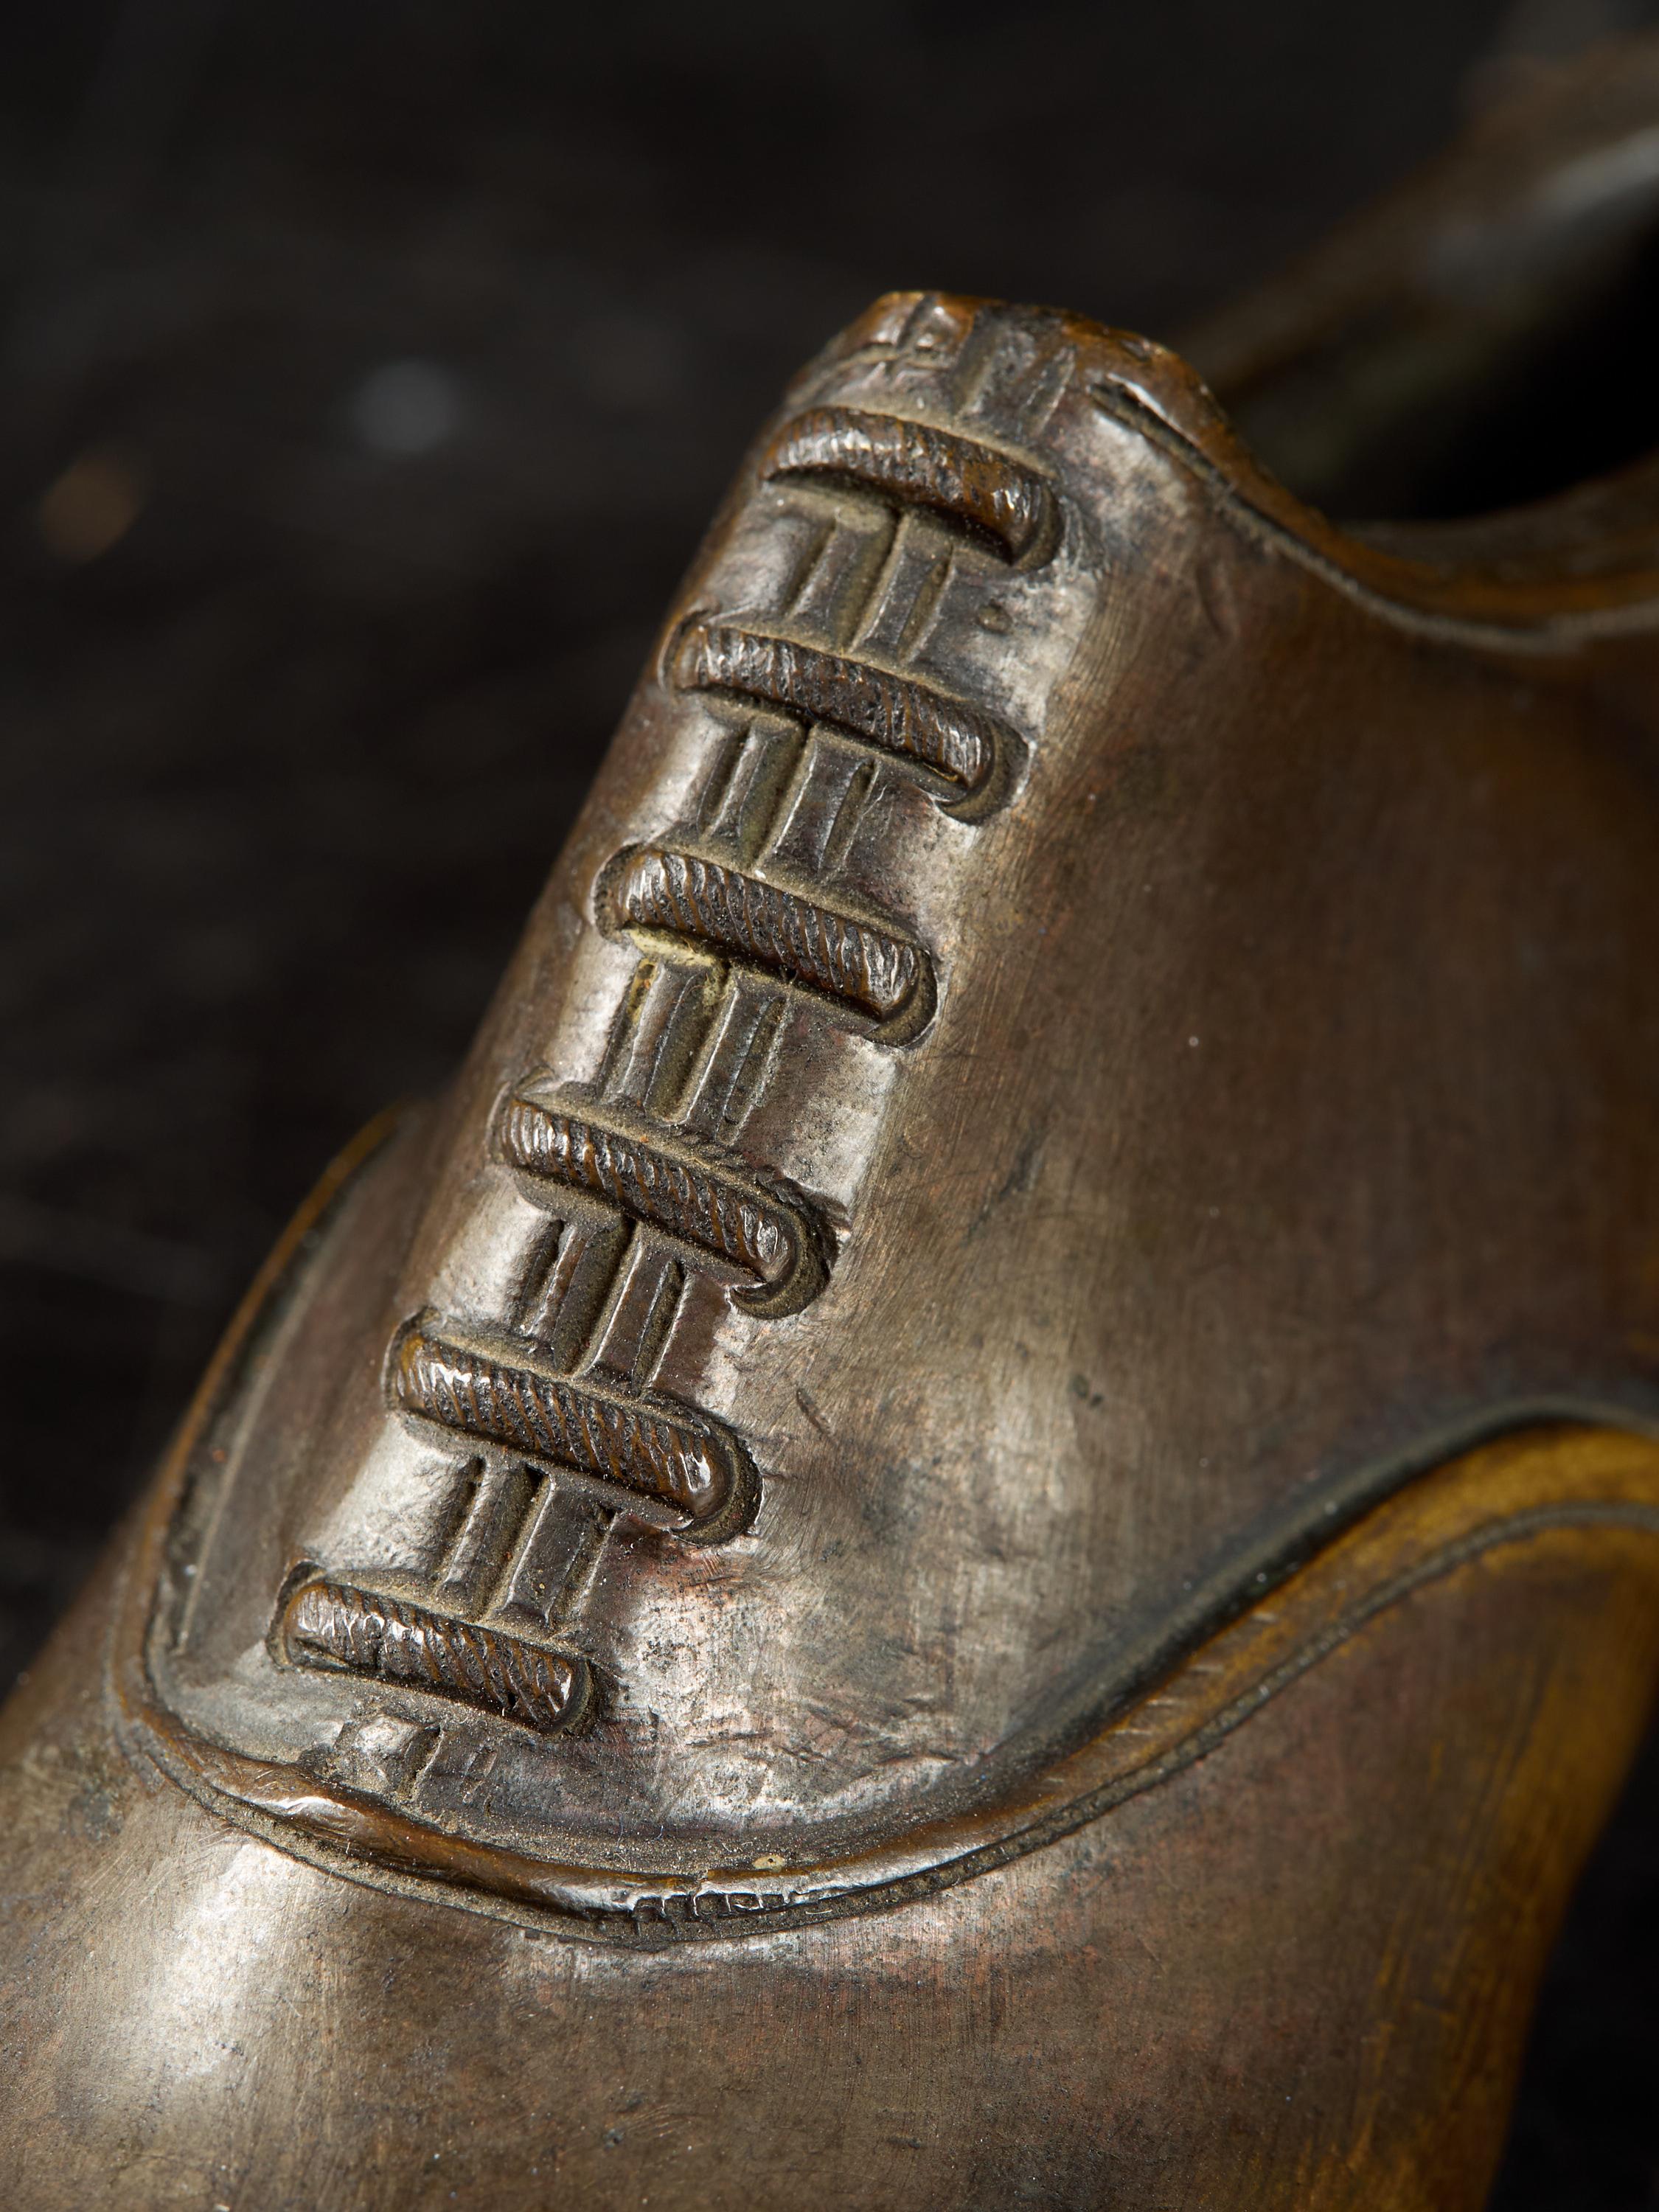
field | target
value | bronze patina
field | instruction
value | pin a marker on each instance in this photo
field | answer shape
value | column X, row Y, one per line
column 976, row 1523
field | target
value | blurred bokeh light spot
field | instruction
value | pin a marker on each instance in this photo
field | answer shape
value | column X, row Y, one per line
column 406, row 408
column 92, row 506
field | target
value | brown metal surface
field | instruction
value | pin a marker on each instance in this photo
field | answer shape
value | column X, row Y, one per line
column 1216, row 1186
column 1291, row 1970
column 969, row 1523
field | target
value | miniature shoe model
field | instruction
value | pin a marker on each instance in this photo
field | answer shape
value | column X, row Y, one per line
column 977, row 1523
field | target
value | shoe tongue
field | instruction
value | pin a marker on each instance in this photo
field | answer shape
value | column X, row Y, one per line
column 1037, row 1091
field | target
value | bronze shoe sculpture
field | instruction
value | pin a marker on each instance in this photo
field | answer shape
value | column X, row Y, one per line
column 977, row 1523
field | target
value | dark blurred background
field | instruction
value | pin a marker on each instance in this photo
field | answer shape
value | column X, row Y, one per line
column 369, row 369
